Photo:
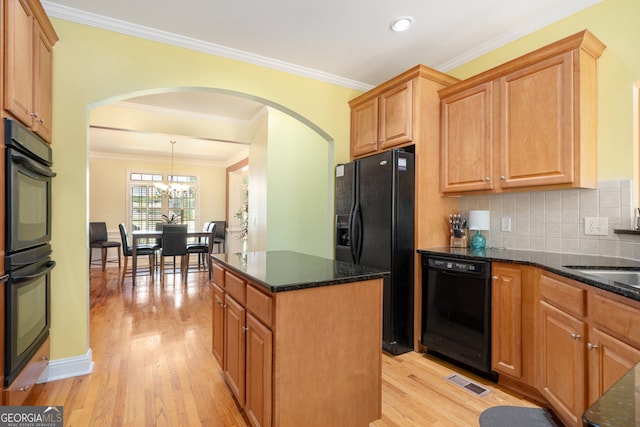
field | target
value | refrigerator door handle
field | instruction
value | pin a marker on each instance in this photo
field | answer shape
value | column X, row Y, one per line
column 356, row 234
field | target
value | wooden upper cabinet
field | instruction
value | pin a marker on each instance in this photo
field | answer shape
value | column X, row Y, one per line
column 536, row 137
column 364, row 128
column 541, row 110
column 29, row 39
column 382, row 122
column 43, row 85
column 466, row 151
column 396, row 116
column 18, row 82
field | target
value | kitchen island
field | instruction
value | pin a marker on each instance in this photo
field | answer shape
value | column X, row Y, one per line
column 299, row 337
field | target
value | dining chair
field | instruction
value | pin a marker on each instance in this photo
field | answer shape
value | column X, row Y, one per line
column 99, row 239
column 205, row 246
column 174, row 243
column 141, row 249
column 219, row 238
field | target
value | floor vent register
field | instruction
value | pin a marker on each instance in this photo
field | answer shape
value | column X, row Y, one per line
column 468, row 385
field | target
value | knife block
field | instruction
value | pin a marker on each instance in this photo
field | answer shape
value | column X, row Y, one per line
column 459, row 242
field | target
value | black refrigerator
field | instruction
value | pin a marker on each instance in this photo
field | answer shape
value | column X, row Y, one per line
column 374, row 227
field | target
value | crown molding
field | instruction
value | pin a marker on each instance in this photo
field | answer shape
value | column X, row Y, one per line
column 123, row 27
column 559, row 12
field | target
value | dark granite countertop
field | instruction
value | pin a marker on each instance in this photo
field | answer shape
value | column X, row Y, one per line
column 558, row 263
column 617, row 407
column 280, row 271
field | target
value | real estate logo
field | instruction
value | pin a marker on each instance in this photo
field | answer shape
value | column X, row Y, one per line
column 31, row 416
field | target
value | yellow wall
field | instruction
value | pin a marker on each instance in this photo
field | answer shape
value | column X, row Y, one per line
column 615, row 23
column 92, row 67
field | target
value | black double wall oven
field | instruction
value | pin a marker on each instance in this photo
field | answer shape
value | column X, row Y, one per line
column 28, row 263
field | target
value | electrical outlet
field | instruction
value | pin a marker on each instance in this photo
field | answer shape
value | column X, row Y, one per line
column 506, row 224
column 597, row 226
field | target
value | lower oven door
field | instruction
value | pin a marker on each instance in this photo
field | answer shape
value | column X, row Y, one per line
column 456, row 311
column 27, row 314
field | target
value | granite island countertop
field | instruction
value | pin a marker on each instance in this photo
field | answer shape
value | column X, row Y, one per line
column 558, row 263
column 618, row 406
column 280, row 271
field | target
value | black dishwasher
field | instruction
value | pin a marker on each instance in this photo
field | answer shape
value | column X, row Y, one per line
column 456, row 311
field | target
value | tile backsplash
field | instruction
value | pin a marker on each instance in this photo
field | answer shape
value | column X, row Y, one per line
column 553, row 221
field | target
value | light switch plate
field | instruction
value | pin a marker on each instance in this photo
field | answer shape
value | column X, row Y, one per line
column 596, row 226
column 506, row 224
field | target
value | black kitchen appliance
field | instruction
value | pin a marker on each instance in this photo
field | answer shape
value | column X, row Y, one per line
column 374, row 227
column 28, row 263
column 456, row 311
column 28, row 161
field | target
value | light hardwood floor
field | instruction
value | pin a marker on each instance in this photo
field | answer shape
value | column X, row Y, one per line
column 151, row 347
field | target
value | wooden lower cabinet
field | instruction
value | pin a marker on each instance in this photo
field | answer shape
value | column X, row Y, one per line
column 218, row 324
column 563, row 363
column 259, row 366
column 506, row 316
column 609, row 359
column 234, row 348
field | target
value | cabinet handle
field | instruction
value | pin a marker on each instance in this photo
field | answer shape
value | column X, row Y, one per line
column 486, row 178
column 502, row 178
column 592, row 346
column 41, row 121
column 34, row 114
column 494, row 278
column 575, row 336
column 245, row 328
column 25, row 388
column 45, row 357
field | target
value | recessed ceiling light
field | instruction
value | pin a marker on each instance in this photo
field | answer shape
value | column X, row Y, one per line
column 402, row 24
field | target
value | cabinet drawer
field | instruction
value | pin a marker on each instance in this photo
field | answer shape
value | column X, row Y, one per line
column 236, row 287
column 563, row 295
column 217, row 274
column 617, row 317
column 260, row 305
column 19, row 390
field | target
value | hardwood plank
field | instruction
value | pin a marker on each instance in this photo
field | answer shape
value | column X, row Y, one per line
column 151, row 346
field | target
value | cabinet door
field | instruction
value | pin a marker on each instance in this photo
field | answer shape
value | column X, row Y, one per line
column 364, row 128
column 18, row 70
column 536, row 132
column 218, row 324
column 259, row 372
column 466, row 140
column 609, row 360
column 234, row 348
column 506, row 312
column 563, row 363
column 42, row 92
column 396, row 116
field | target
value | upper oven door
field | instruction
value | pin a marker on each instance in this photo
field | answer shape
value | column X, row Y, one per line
column 28, row 192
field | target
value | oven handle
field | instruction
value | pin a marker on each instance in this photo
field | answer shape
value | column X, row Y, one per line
column 33, row 165
column 4, row 278
column 46, row 268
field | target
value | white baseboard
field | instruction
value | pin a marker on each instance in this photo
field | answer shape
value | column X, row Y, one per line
column 67, row 368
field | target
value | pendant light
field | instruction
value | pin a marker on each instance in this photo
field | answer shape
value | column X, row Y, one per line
column 171, row 189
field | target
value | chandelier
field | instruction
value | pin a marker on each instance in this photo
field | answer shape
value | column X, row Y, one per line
column 171, row 189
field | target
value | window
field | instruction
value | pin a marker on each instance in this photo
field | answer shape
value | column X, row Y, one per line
column 148, row 203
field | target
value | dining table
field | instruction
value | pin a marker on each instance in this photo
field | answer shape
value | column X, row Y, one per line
column 137, row 235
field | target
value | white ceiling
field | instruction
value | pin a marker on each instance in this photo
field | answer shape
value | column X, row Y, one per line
column 347, row 42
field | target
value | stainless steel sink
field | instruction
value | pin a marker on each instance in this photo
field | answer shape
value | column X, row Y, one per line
column 627, row 277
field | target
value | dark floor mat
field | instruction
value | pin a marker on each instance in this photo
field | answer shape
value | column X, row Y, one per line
column 514, row 416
